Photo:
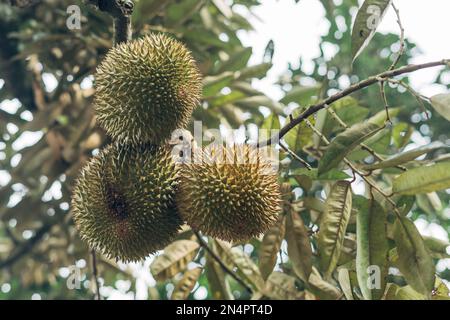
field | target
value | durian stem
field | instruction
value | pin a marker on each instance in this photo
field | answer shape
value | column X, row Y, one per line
column 205, row 246
column 120, row 11
column 122, row 29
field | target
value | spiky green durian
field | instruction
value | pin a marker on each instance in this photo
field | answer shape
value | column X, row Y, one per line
column 146, row 88
column 123, row 201
column 230, row 193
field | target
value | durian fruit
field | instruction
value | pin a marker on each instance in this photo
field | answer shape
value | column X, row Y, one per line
column 232, row 193
column 146, row 88
column 123, row 201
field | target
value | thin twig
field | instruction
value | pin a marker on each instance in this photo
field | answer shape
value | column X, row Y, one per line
column 418, row 96
column 204, row 245
column 401, row 51
column 363, row 146
column 353, row 88
column 95, row 275
column 385, row 101
column 294, row 155
column 26, row 247
column 367, row 179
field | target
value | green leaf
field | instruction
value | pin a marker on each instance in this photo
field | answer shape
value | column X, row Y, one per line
column 404, row 157
column 394, row 292
column 423, row 179
column 300, row 136
column 441, row 103
column 299, row 247
column 333, row 225
column 372, row 250
column 367, row 20
column 174, row 259
column 301, row 95
column 270, row 247
column 345, row 283
column 281, row 286
column 218, row 285
column 186, row 284
column 237, row 60
column 223, row 99
column 321, row 288
column 414, row 260
column 333, row 174
column 213, row 84
column 381, row 117
column 272, row 122
column 439, row 249
column 344, row 143
column 401, row 133
column 257, row 71
column 260, row 101
column 246, row 268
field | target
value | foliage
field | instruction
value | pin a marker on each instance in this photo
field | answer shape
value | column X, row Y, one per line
column 327, row 235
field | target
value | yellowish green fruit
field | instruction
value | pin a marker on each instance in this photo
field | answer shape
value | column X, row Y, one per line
column 146, row 88
column 123, row 201
column 231, row 193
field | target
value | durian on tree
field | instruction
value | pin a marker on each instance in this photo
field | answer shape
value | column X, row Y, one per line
column 309, row 231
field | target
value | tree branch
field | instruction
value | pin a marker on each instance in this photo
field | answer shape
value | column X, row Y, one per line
column 120, row 11
column 220, row 262
column 353, row 88
column 27, row 246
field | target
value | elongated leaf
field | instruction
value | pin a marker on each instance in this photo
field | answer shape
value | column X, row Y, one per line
column 260, row 101
column 186, row 284
column 345, row 283
column 404, row 157
column 414, row 260
column 321, row 288
column 270, row 247
column 237, row 60
column 439, row 249
column 344, row 143
column 256, row 71
column 381, row 117
column 372, row 250
column 299, row 246
column 300, row 136
column 281, row 286
column 423, row 179
column 246, row 268
column 367, row 20
column 441, row 103
column 272, row 122
column 333, row 174
column 333, row 225
column 394, row 292
column 218, row 285
column 213, row 84
column 301, row 95
column 174, row 259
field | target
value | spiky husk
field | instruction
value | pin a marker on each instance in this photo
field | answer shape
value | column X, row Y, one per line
column 231, row 193
column 123, row 201
column 146, row 88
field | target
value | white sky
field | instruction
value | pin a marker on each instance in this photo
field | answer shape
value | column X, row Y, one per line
column 296, row 28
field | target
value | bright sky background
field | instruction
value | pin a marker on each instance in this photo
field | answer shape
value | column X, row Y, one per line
column 425, row 22
column 295, row 29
